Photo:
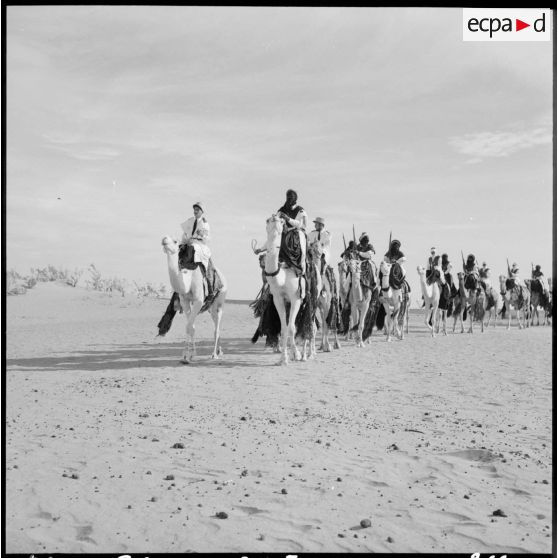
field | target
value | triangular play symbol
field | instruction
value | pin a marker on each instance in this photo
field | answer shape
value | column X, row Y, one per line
column 519, row 25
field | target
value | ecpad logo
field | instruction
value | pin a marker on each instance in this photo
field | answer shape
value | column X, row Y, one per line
column 506, row 24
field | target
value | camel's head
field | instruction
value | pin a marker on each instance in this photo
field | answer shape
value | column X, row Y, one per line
column 315, row 250
column 354, row 266
column 384, row 267
column 437, row 274
column 170, row 246
column 420, row 270
column 274, row 225
column 343, row 266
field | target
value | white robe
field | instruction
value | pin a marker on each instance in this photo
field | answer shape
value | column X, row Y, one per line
column 199, row 239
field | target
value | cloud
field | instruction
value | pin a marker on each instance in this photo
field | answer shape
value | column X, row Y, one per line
column 499, row 144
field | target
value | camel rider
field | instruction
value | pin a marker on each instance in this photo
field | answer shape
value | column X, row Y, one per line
column 514, row 273
column 194, row 248
column 364, row 251
column 394, row 255
column 323, row 238
column 293, row 240
column 447, row 269
column 471, row 266
column 537, row 275
column 430, row 266
column 349, row 251
column 484, row 274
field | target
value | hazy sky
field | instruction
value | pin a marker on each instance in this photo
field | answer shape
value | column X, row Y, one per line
column 379, row 117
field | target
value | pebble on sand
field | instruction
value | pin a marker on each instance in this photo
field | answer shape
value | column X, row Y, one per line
column 178, row 445
column 283, row 491
column 221, row 515
column 365, row 523
column 499, row 513
column 169, row 477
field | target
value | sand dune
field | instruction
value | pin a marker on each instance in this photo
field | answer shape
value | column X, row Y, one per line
column 112, row 445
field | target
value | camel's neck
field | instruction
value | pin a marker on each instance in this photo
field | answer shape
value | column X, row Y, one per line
column 272, row 254
column 426, row 289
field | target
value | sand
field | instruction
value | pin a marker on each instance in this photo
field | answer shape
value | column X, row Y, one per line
column 112, row 445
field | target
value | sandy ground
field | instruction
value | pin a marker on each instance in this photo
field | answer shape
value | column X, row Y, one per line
column 426, row 438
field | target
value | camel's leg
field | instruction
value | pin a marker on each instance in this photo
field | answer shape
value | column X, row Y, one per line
column 217, row 314
column 489, row 317
column 304, row 356
column 313, row 352
column 291, row 329
column 388, row 326
column 429, row 314
column 191, row 314
column 396, row 330
column 326, row 345
column 517, row 315
column 434, row 314
column 284, row 337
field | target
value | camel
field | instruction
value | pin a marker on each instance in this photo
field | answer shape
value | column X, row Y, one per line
column 285, row 287
column 494, row 304
column 391, row 299
column 189, row 285
column 326, row 301
column 460, row 303
column 518, row 297
column 359, row 299
column 404, row 311
column 344, row 293
column 431, row 295
column 539, row 298
column 476, row 300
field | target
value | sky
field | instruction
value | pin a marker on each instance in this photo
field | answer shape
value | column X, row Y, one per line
column 119, row 118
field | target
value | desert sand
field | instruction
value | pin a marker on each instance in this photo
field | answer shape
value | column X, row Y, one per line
column 112, row 445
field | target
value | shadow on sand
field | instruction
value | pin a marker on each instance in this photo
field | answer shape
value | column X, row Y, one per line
column 237, row 353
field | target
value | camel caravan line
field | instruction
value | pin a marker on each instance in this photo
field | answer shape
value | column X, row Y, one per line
column 295, row 302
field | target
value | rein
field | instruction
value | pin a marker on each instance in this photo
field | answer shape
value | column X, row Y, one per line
column 273, row 273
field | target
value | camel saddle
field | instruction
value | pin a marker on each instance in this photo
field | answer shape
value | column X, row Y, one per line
column 290, row 251
column 396, row 276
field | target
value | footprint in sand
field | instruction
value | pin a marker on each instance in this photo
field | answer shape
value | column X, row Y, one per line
column 83, row 533
column 483, row 455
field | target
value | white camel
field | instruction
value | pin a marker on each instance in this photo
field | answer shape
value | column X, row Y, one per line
column 431, row 295
column 284, row 286
column 344, row 292
column 518, row 297
column 189, row 285
column 359, row 298
column 325, row 299
column 494, row 302
column 392, row 300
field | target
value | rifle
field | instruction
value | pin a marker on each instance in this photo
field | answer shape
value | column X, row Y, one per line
column 354, row 239
column 509, row 270
column 344, row 242
column 463, row 260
